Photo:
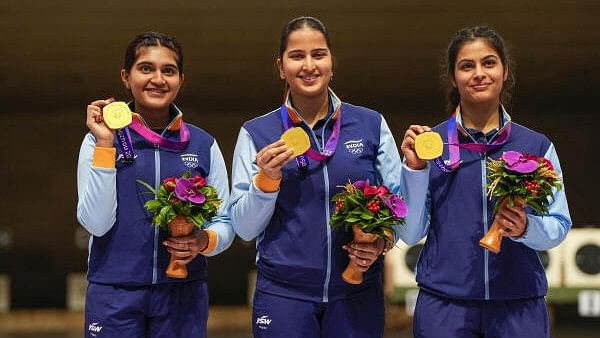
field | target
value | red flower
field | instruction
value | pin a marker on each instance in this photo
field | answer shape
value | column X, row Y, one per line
column 548, row 164
column 528, row 157
column 199, row 182
column 382, row 190
column 370, row 190
column 339, row 205
column 374, row 205
column 170, row 183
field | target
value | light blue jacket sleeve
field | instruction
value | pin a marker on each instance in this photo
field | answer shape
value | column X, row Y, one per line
column 415, row 190
column 388, row 165
column 221, row 225
column 250, row 208
column 97, row 192
column 546, row 232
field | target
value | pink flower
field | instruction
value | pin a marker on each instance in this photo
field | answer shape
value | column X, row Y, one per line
column 186, row 191
column 361, row 184
column 397, row 206
column 518, row 162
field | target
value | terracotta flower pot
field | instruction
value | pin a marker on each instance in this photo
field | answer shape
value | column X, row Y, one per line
column 351, row 274
column 492, row 240
column 178, row 227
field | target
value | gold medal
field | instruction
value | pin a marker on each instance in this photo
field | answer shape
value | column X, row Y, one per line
column 429, row 145
column 297, row 140
column 116, row 115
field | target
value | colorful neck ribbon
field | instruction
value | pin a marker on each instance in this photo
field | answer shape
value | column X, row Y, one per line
column 137, row 124
column 454, row 161
column 290, row 118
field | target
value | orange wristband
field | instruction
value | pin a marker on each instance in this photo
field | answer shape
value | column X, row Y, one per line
column 212, row 242
column 265, row 183
column 104, row 157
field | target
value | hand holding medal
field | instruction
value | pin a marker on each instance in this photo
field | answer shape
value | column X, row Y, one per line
column 297, row 140
column 96, row 124
column 117, row 115
column 429, row 145
column 274, row 156
column 419, row 145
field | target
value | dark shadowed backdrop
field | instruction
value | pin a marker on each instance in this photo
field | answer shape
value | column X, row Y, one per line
column 57, row 56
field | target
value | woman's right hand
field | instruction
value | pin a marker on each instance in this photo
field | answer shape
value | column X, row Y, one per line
column 273, row 157
column 95, row 122
column 408, row 147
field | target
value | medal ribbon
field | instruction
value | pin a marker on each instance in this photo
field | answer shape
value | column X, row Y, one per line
column 453, row 144
column 330, row 146
column 158, row 140
column 124, row 142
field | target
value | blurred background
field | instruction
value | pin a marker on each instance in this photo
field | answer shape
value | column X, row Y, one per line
column 57, row 56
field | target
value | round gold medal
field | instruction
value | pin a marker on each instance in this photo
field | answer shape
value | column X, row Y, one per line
column 297, row 140
column 429, row 145
column 116, row 115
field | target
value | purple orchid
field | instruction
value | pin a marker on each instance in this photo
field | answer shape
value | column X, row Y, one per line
column 361, row 184
column 396, row 205
column 185, row 191
column 516, row 161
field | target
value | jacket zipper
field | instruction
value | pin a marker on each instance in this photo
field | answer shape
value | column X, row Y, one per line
column 156, row 187
column 326, row 185
column 156, row 231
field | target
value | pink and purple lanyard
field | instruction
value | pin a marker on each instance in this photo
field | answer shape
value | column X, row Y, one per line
column 330, row 146
column 454, row 161
column 124, row 138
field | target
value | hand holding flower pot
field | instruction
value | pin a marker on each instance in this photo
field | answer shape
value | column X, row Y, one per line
column 492, row 240
column 371, row 212
column 179, row 205
column 178, row 227
column 518, row 179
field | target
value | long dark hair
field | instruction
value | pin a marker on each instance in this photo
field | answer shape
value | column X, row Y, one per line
column 299, row 23
column 456, row 43
column 149, row 39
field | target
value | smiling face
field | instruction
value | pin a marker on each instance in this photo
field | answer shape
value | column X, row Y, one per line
column 479, row 73
column 154, row 79
column 306, row 64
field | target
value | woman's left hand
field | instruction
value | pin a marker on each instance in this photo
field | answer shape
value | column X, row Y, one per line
column 363, row 255
column 187, row 247
column 512, row 219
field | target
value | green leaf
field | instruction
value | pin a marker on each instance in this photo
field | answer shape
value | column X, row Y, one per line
column 153, row 205
column 148, row 186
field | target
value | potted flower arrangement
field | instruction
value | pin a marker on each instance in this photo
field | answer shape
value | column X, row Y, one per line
column 519, row 179
column 371, row 212
column 180, row 204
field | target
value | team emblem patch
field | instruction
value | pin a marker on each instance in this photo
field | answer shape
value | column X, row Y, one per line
column 263, row 322
column 190, row 160
column 94, row 329
column 354, row 147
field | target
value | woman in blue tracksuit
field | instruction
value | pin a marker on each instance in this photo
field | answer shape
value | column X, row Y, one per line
column 129, row 294
column 285, row 203
column 465, row 290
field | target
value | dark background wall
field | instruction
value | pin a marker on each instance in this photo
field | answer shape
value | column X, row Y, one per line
column 57, row 56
